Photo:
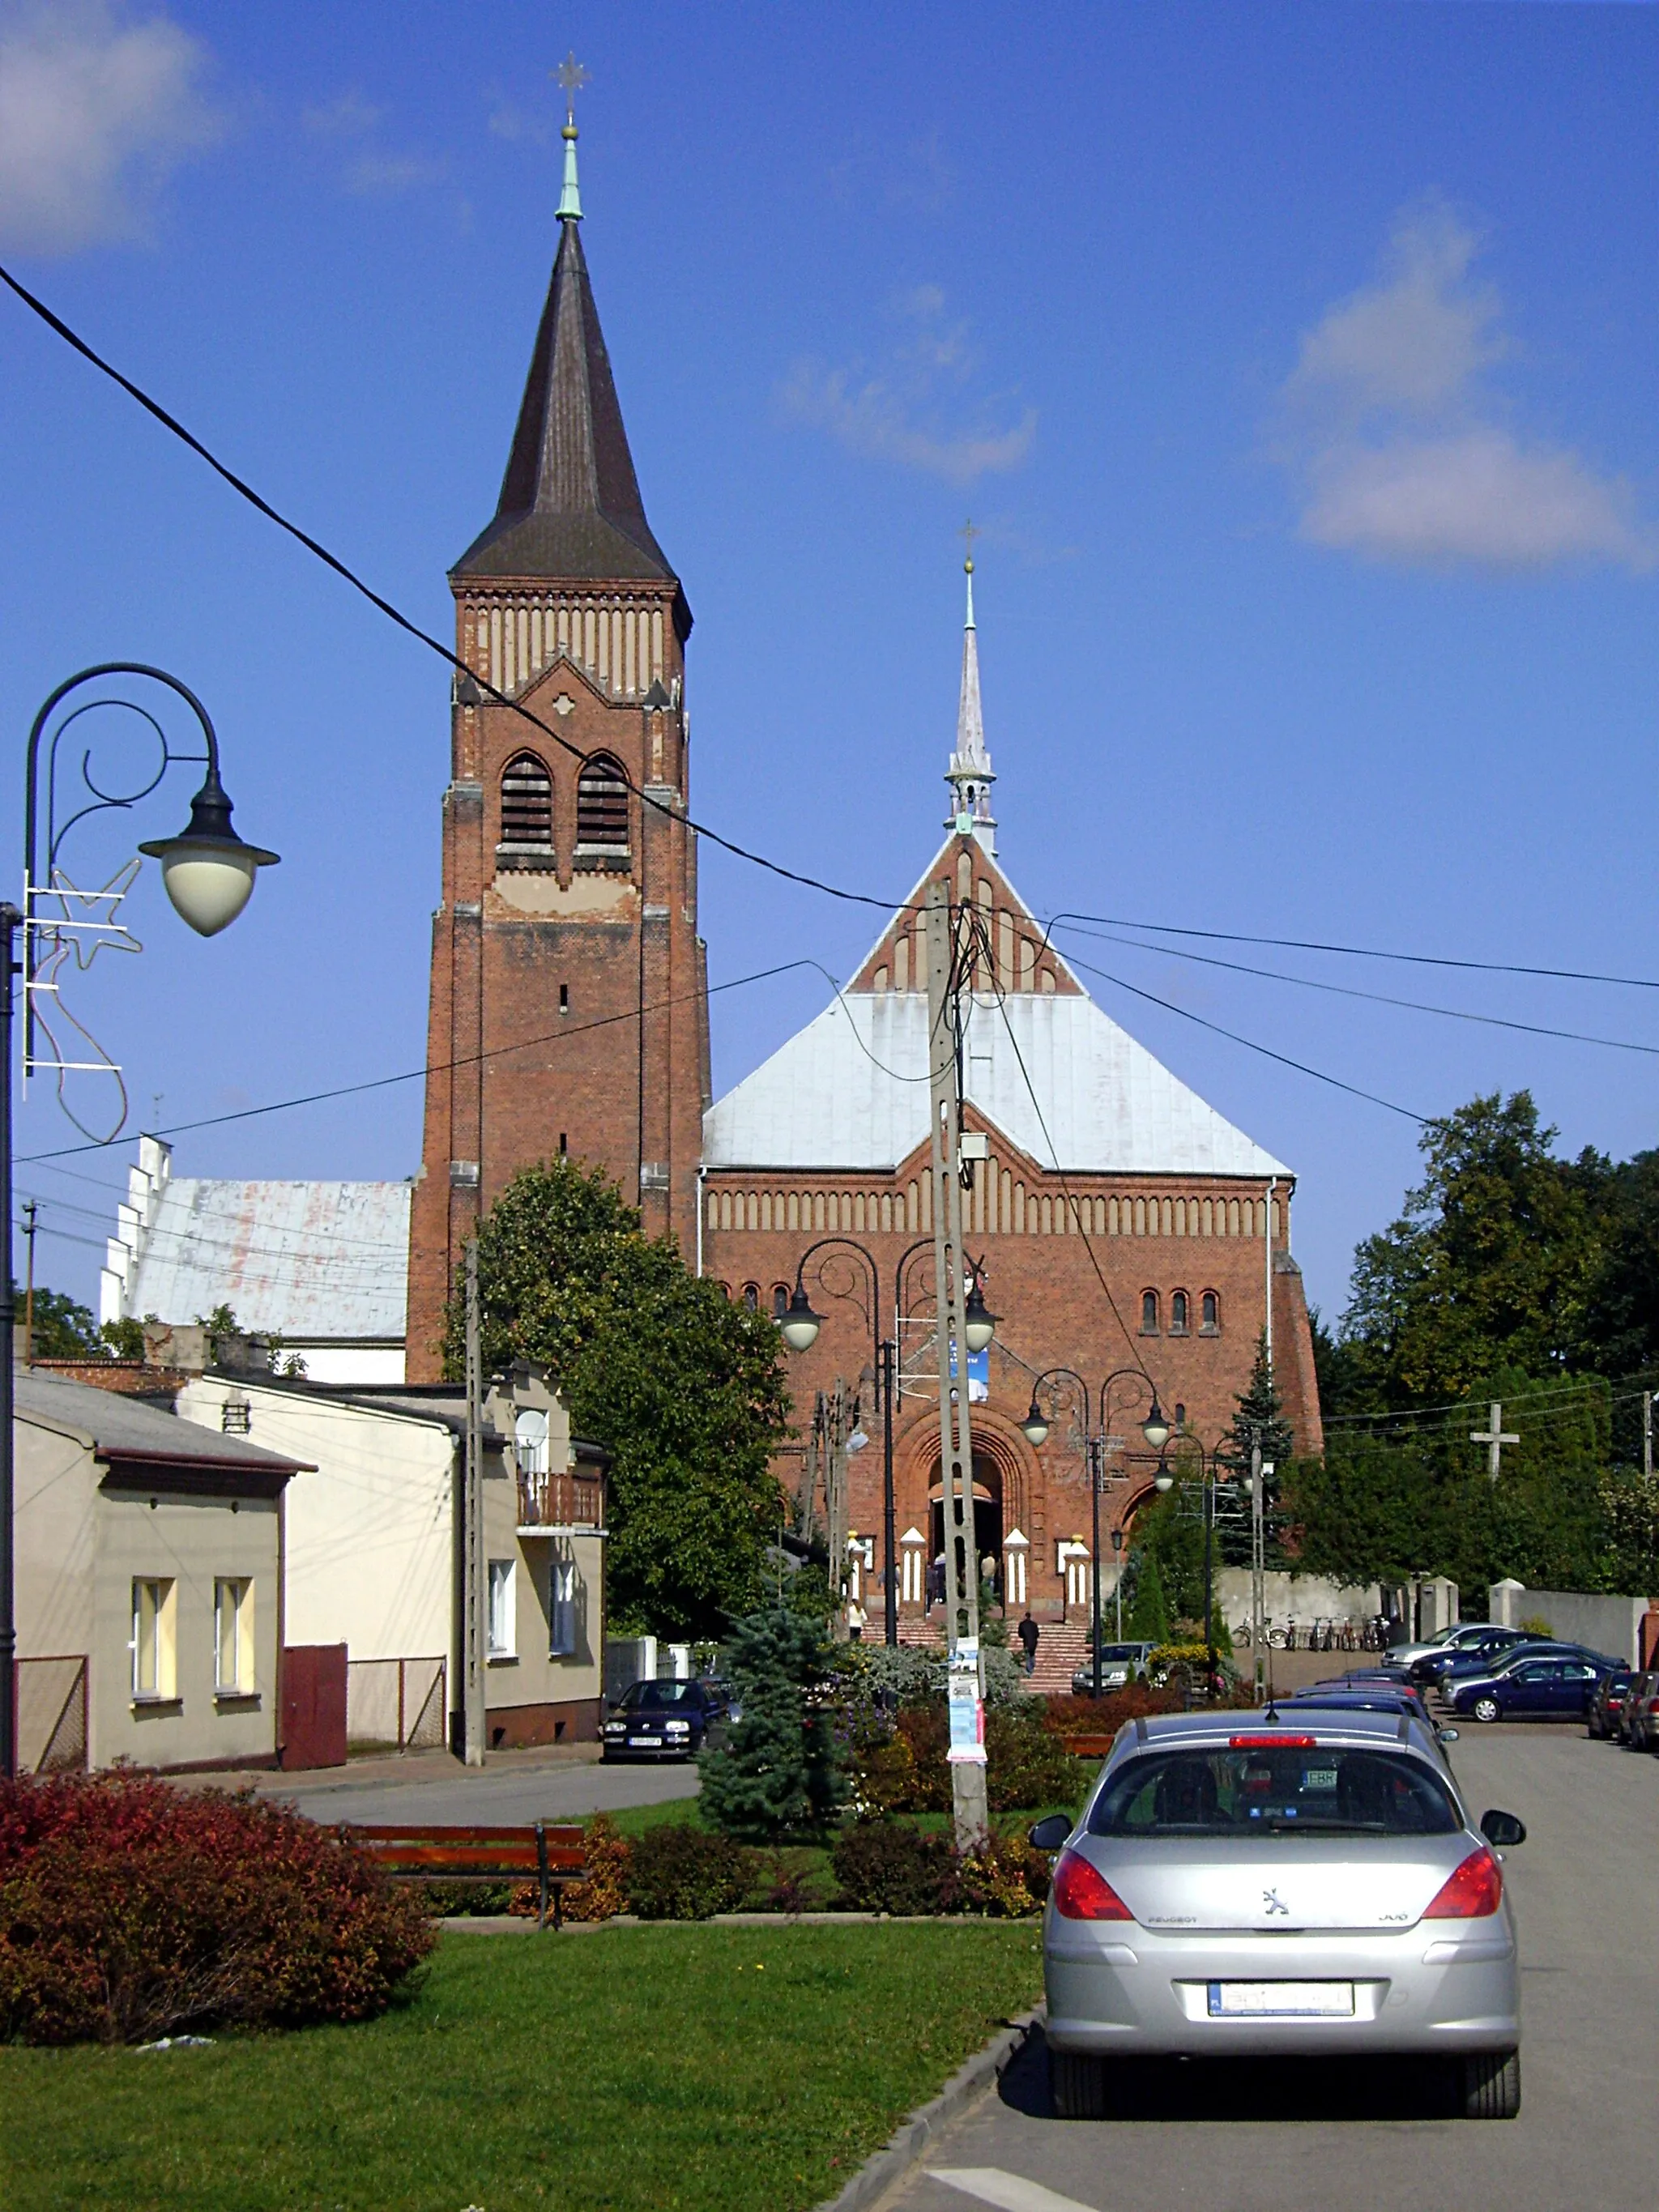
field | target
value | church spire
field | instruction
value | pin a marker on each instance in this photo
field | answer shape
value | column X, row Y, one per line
column 570, row 505
column 970, row 775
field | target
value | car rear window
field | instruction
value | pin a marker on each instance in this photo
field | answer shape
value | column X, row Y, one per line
column 1225, row 1792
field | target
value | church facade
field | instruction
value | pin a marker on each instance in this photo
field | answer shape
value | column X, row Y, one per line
column 1121, row 1227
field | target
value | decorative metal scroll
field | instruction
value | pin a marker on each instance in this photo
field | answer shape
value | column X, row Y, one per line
column 66, row 926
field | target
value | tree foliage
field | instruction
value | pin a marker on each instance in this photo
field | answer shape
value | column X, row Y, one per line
column 685, row 1390
column 776, row 1771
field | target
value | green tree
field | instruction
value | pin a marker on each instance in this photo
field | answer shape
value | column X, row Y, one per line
column 62, row 1329
column 684, row 1390
column 776, row 1773
column 1149, row 1612
column 1490, row 1264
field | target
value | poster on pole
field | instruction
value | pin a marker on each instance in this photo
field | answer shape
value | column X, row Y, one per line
column 967, row 1707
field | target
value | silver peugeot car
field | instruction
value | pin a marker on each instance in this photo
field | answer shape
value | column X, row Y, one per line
column 1304, row 1882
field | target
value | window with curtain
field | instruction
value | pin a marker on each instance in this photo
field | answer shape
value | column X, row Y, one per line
column 155, row 1642
column 1210, row 1311
column 233, row 1636
column 502, row 1624
column 1178, row 1311
column 561, row 1610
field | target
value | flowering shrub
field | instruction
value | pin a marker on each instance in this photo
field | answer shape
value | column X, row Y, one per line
column 1067, row 1717
column 676, row 1872
column 1007, row 1879
column 129, row 1909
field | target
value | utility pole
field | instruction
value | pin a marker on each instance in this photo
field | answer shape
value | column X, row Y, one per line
column 1647, row 1435
column 30, row 1209
column 1258, row 1569
column 835, row 1505
column 964, row 1665
column 474, row 1568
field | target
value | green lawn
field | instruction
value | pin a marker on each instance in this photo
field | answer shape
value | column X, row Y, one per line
column 633, row 2069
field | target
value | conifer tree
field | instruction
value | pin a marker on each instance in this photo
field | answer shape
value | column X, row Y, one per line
column 776, row 1771
column 1149, row 1615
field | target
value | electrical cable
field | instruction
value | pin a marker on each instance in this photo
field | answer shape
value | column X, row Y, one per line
column 434, row 1067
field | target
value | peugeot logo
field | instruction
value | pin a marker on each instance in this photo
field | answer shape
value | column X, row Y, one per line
column 1273, row 1903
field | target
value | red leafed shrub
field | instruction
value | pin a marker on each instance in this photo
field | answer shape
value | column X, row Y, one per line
column 1105, row 1715
column 129, row 1909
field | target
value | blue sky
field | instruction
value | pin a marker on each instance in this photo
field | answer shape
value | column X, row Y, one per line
column 1295, row 361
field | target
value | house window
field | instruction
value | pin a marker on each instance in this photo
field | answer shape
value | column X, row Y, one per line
column 602, row 807
column 1178, row 1312
column 1149, row 1313
column 155, row 1638
column 502, row 1624
column 530, row 1440
column 1210, row 1311
column 527, row 804
column 561, row 1610
column 232, row 1637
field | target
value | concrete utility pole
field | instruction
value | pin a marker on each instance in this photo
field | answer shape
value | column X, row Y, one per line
column 1494, row 1436
column 1258, row 1569
column 474, row 1568
column 1647, row 1435
column 835, row 1505
column 965, row 1668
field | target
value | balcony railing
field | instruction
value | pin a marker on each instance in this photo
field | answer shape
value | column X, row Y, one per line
column 560, row 1501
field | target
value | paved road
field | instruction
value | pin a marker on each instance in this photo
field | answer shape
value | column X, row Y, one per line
column 1283, row 2137
column 514, row 1787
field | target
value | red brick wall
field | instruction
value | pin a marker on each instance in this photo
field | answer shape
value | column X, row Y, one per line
column 510, row 1068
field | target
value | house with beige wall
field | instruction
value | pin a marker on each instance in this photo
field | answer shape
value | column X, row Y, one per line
column 148, row 1584
column 373, row 1542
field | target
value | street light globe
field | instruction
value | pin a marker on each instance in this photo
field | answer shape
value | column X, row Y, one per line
column 1164, row 1482
column 800, row 1324
column 857, row 1442
column 207, row 871
column 979, row 1323
column 1033, row 1428
column 1155, row 1428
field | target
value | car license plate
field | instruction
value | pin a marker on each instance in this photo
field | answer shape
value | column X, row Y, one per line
column 1282, row 2000
column 645, row 1743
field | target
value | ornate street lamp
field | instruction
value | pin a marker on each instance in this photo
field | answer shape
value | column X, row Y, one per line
column 208, row 873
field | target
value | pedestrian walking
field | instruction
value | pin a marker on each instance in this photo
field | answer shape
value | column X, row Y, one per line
column 856, row 1617
column 1028, row 1632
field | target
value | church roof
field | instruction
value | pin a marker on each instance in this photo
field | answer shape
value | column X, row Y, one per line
column 1057, row 1077
column 570, row 505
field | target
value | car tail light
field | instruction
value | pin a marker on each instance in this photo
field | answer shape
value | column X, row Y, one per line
column 1273, row 1742
column 1475, row 1890
column 1082, row 1893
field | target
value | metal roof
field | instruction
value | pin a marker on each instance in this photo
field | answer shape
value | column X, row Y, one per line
column 120, row 1427
column 297, row 1259
column 850, row 1091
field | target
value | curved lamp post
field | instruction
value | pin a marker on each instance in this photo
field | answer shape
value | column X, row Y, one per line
column 1156, row 1431
column 209, row 874
column 798, row 1325
column 1209, row 1475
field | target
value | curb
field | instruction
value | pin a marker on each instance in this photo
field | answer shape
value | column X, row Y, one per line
column 907, row 2146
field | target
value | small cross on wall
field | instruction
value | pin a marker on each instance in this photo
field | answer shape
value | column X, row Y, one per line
column 1495, row 1436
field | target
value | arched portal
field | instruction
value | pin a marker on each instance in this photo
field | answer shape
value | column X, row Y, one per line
column 987, row 1515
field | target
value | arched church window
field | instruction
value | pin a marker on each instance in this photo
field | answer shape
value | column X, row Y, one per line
column 1149, row 1313
column 751, row 1296
column 602, row 807
column 780, row 1300
column 527, row 803
column 1210, row 1311
column 1178, row 1313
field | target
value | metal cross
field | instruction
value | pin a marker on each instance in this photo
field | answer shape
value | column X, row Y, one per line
column 968, row 533
column 1494, row 1437
column 572, row 76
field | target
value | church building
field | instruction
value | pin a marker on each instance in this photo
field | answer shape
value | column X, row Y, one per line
column 1121, row 1227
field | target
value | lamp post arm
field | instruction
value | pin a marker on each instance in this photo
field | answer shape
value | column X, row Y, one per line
column 31, row 775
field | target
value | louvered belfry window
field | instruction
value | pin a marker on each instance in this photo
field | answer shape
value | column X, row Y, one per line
column 527, row 804
column 602, row 807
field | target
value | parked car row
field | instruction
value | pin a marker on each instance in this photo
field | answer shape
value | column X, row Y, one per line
column 1626, row 1710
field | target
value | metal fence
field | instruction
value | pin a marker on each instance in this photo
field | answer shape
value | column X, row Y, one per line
column 51, row 1715
column 395, row 1704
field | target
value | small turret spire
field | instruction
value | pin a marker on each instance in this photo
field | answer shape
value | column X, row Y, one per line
column 970, row 774
column 572, row 76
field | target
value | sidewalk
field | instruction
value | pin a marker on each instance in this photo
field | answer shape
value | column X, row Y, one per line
column 551, row 1782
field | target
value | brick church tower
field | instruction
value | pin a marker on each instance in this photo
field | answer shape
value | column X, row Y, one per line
column 568, row 1007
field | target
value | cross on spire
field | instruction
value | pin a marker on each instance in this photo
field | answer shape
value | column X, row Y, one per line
column 571, row 76
column 1494, row 1436
column 968, row 533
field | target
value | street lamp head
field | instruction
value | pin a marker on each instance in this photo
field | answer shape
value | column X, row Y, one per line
column 207, row 871
column 1155, row 1428
column 979, row 1323
column 800, row 1324
column 1163, row 1481
column 1033, row 1428
column 857, row 1442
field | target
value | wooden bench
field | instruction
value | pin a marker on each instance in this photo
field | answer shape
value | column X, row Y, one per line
column 549, row 1856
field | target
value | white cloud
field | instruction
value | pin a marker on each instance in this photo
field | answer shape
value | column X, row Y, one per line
column 917, row 408
column 1398, row 441
column 385, row 176
column 94, row 110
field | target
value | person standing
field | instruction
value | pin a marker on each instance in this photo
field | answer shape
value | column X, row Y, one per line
column 1028, row 1632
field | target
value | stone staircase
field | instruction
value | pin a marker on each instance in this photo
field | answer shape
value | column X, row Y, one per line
column 1062, row 1648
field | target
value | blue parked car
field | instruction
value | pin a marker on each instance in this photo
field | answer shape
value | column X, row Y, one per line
column 1556, row 1684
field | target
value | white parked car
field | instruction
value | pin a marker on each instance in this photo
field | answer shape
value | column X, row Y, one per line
column 1306, row 1883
